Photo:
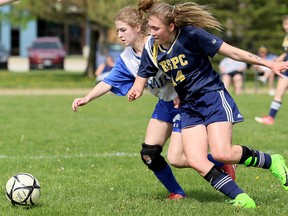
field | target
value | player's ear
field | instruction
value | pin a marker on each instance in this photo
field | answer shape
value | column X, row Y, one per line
column 138, row 27
column 171, row 27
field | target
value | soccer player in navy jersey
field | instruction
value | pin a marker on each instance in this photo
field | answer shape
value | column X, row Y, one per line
column 181, row 48
column 165, row 120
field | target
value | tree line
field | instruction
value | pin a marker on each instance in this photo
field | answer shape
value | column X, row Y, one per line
column 248, row 24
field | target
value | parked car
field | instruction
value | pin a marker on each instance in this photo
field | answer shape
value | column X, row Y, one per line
column 4, row 56
column 46, row 52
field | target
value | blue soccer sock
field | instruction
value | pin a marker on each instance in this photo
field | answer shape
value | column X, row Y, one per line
column 223, row 182
column 217, row 163
column 167, row 178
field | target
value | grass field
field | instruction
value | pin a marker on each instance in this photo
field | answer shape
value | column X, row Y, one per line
column 88, row 162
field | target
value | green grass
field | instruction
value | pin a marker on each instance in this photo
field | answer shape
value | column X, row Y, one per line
column 44, row 79
column 88, row 162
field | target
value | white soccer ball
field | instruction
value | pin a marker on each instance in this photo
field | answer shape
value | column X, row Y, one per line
column 23, row 189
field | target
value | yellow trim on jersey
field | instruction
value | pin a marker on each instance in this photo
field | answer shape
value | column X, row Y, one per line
column 285, row 43
column 154, row 52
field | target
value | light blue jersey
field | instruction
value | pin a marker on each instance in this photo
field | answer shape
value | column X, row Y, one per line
column 122, row 77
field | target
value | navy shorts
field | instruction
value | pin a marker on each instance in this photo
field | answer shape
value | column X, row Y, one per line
column 165, row 111
column 210, row 107
column 233, row 73
column 286, row 59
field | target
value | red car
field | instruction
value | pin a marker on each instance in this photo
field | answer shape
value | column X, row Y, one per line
column 46, row 52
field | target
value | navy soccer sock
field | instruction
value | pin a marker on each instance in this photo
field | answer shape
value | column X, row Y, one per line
column 223, row 182
column 251, row 157
column 274, row 108
column 217, row 163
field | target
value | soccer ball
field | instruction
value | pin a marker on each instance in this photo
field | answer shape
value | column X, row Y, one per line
column 23, row 189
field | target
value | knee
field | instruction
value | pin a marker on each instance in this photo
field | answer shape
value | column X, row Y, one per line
column 177, row 160
column 173, row 161
column 152, row 158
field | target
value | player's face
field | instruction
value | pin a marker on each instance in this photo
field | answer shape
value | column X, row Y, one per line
column 262, row 53
column 162, row 33
column 126, row 33
column 285, row 25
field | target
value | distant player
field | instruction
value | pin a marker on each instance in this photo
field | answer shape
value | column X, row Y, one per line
column 282, row 84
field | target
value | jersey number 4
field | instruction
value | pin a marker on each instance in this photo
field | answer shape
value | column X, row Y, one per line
column 179, row 78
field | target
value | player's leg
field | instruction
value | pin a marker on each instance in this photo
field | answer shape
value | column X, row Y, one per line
column 226, row 79
column 222, row 149
column 196, row 146
column 238, row 83
column 156, row 136
column 176, row 156
column 255, row 158
column 196, row 140
column 271, row 78
column 276, row 103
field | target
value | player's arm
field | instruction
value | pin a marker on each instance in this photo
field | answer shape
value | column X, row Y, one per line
column 100, row 89
column 137, row 89
column 4, row 2
column 242, row 55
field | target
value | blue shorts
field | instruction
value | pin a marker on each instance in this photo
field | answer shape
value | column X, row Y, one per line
column 210, row 107
column 165, row 111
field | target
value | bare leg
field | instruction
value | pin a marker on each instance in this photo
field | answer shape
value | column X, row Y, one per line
column 238, row 83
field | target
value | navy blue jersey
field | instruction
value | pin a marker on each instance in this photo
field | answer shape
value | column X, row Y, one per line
column 285, row 44
column 186, row 62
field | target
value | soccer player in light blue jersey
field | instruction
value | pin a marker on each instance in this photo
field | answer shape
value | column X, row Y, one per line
column 165, row 120
column 181, row 48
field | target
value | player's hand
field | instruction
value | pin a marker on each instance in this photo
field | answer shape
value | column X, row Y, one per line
column 176, row 102
column 78, row 102
column 279, row 67
column 133, row 94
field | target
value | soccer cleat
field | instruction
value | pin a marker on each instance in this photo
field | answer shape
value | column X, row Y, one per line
column 230, row 169
column 266, row 120
column 279, row 169
column 271, row 92
column 243, row 201
column 174, row 196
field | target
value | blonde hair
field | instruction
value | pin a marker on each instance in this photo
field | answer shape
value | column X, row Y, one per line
column 133, row 17
column 182, row 14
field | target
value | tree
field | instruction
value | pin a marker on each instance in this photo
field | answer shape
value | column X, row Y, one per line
column 98, row 14
column 248, row 23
